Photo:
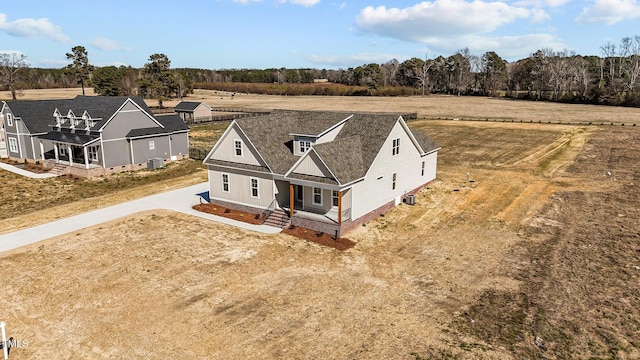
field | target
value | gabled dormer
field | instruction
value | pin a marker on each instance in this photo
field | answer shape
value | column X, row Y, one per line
column 60, row 120
column 302, row 144
column 88, row 121
column 74, row 120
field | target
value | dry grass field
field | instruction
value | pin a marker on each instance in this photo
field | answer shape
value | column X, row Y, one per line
column 537, row 258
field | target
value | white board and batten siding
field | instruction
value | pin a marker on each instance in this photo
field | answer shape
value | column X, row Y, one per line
column 312, row 165
column 240, row 190
column 377, row 187
column 226, row 149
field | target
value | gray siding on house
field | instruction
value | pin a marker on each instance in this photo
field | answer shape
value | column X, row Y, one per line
column 142, row 151
column 116, row 153
column 130, row 117
column 180, row 144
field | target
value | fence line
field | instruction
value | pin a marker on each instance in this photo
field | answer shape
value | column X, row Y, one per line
column 197, row 154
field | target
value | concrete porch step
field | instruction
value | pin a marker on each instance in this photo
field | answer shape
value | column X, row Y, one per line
column 278, row 218
column 58, row 169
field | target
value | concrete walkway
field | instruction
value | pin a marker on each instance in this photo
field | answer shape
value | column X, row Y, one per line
column 180, row 200
column 17, row 170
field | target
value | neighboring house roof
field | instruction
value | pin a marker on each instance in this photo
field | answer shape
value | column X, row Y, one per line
column 133, row 133
column 70, row 138
column 189, row 106
column 348, row 157
column 37, row 115
column 172, row 123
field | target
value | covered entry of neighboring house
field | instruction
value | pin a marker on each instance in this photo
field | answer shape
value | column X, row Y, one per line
column 76, row 149
column 3, row 143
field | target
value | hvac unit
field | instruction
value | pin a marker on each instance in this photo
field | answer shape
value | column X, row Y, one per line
column 155, row 163
column 411, row 199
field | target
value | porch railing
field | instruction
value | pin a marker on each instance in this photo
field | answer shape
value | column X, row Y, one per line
column 346, row 214
column 268, row 211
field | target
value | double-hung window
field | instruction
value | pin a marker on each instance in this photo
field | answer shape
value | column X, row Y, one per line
column 396, row 147
column 334, row 197
column 422, row 174
column 237, row 144
column 317, row 196
column 254, row 187
column 93, row 153
column 9, row 119
column 393, row 181
column 152, row 145
column 13, row 145
column 225, row 182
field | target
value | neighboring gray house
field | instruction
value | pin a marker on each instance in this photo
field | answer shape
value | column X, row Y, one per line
column 192, row 112
column 92, row 135
column 327, row 171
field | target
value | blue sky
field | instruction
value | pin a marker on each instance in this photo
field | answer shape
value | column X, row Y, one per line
column 225, row 34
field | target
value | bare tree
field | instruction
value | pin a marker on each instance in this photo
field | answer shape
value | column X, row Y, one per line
column 630, row 63
column 12, row 68
column 389, row 70
column 423, row 76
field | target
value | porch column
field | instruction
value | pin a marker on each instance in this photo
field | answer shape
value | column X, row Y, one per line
column 86, row 157
column 291, row 199
column 41, row 150
column 339, row 207
column 55, row 151
column 70, row 154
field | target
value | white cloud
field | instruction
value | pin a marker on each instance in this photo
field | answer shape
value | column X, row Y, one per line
column 441, row 18
column 32, row 28
column 102, row 43
column 17, row 52
column 542, row 3
column 610, row 11
column 53, row 63
column 305, row 3
column 353, row 60
column 508, row 47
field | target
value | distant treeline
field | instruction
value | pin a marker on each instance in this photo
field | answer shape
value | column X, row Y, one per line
column 548, row 75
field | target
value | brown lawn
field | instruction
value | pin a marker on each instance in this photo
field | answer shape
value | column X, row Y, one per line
column 538, row 257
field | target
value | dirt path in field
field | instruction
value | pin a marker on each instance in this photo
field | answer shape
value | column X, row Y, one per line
column 536, row 257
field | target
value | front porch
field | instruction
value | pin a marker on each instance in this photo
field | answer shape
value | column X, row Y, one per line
column 72, row 149
column 318, row 207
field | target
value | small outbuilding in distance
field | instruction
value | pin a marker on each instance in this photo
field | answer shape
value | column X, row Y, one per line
column 193, row 111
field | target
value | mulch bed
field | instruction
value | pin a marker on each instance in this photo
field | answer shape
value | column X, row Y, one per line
column 228, row 213
column 34, row 168
column 319, row 238
column 302, row 233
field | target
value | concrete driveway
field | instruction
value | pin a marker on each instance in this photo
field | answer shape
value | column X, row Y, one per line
column 180, row 200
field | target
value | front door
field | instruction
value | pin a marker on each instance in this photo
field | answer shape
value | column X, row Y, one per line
column 299, row 196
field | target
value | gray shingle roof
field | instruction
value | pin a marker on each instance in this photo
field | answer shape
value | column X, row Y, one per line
column 348, row 156
column 37, row 115
column 172, row 122
column 133, row 133
column 69, row 138
column 346, row 164
column 187, row 106
column 270, row 133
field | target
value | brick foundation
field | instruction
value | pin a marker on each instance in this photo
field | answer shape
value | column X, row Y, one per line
column 237, row 207
column 79, row 169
